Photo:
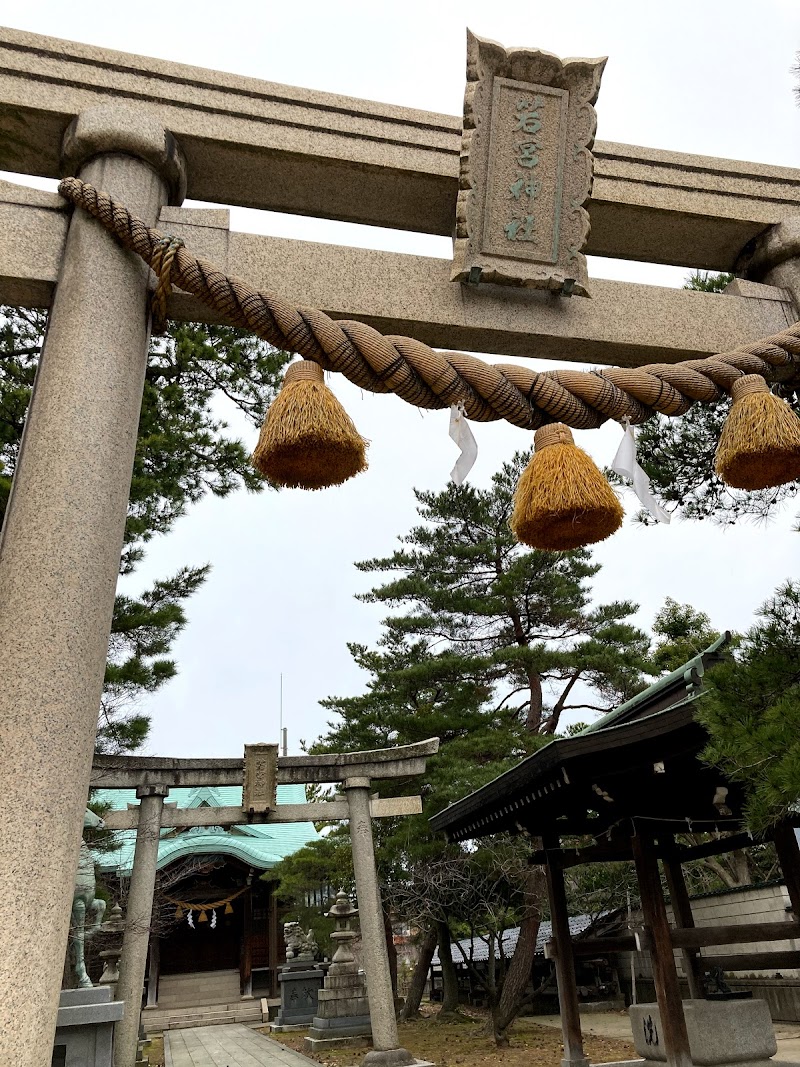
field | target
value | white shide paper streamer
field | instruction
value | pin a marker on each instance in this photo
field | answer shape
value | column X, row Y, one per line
column 626, row 466
column 462, row 435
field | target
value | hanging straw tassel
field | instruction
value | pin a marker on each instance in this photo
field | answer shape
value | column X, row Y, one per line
column 760, row 442
column 179, row 912
column 562, row 500
column 229, row 908
column 308, row 440
column 203, row 917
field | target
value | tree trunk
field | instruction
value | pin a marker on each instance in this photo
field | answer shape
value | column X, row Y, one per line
column 536, row 704
column 427, row 947
column 391, row 952
column 519, row 971
column 449, row 975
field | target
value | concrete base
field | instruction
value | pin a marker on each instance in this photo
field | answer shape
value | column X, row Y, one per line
column 317, row 1044
column 721, row 1034
column 286, row 1028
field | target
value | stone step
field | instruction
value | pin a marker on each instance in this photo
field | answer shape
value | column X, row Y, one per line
column 195, row 1000
column 222, row 981
column 156, row 1021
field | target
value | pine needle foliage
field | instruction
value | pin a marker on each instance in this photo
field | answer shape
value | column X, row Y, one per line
column 678, row 455
column 752, row 711
column 183, row 452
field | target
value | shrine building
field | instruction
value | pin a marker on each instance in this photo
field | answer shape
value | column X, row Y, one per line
column 216, row 939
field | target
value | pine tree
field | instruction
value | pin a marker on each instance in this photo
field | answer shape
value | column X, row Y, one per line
column 681, row 632
column 489, row 645
column 182, row 453
column 752, row 711
column 678, row 454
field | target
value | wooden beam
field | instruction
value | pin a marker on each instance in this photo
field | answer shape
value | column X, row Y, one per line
column 329, row 811
column 404, row 294
column 753, row 961
column 717, row 847
column 281, row 148
column 567, row 857
column 747, row 933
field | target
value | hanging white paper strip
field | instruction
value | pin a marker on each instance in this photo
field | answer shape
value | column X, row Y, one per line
column 462, row 435
column 189, row 919
column 626, row 466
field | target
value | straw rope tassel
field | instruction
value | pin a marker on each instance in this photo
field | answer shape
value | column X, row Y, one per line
column 759, row 445
column 562, row 500
column 308, row 440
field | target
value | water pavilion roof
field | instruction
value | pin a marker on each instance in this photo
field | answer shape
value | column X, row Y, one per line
column 637, row 762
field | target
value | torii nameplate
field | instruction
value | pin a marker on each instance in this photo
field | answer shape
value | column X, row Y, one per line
column 526, row 168
column 259, row 789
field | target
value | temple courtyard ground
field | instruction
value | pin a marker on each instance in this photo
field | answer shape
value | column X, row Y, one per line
column 535, row 1043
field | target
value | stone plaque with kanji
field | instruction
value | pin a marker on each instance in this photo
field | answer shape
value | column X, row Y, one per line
column 526, row 168
column 260, row 778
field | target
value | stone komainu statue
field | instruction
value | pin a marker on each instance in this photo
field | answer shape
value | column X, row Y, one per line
column 87, row 910
column 300, row 945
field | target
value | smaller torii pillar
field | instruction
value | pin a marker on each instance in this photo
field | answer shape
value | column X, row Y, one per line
column 387, row 1051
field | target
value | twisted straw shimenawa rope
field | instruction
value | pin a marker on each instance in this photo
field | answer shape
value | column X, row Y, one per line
column 431, row 379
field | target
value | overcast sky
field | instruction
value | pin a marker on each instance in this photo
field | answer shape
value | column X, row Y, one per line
column 708, row 78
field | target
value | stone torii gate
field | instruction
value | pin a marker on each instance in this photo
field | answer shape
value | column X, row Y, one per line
column 259, row 773
column 150, row 132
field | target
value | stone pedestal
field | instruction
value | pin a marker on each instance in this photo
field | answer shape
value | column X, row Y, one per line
column 85, row 1028
column 300, row 985
column 721, row 1034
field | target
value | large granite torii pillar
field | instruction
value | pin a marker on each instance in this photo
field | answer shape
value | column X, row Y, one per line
column 59, row 561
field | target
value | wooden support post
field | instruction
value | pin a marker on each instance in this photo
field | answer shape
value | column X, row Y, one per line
column 246, row 957
column 153, row 970
column 574, row 1056
column 665, row 975
column 789, row 857
column 682, row 911
column 272, row 941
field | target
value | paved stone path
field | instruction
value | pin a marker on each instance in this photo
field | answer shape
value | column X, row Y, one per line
column 226, row 1045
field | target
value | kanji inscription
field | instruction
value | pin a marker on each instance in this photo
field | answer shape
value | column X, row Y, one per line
column 526, row 168
column 260, row 778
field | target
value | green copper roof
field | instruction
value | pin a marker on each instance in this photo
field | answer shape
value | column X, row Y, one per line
column 262, row 847
column 689, row 676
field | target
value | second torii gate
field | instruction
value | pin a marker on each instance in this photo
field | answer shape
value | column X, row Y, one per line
column 259, row 773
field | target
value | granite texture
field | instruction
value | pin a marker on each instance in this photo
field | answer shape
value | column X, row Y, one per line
column 59, row 559
column 373, row 938
column 413, row 295
column 138, row 914
column 720, row 1032
column 282, row 148
column 526, row 168
column 114, row 127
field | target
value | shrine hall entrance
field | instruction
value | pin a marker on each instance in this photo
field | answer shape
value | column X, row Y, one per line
column 221, row 919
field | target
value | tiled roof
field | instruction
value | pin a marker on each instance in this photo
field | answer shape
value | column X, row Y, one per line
column 480, row 948
column 262, row 847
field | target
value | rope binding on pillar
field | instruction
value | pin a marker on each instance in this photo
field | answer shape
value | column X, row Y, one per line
column 308, row 440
